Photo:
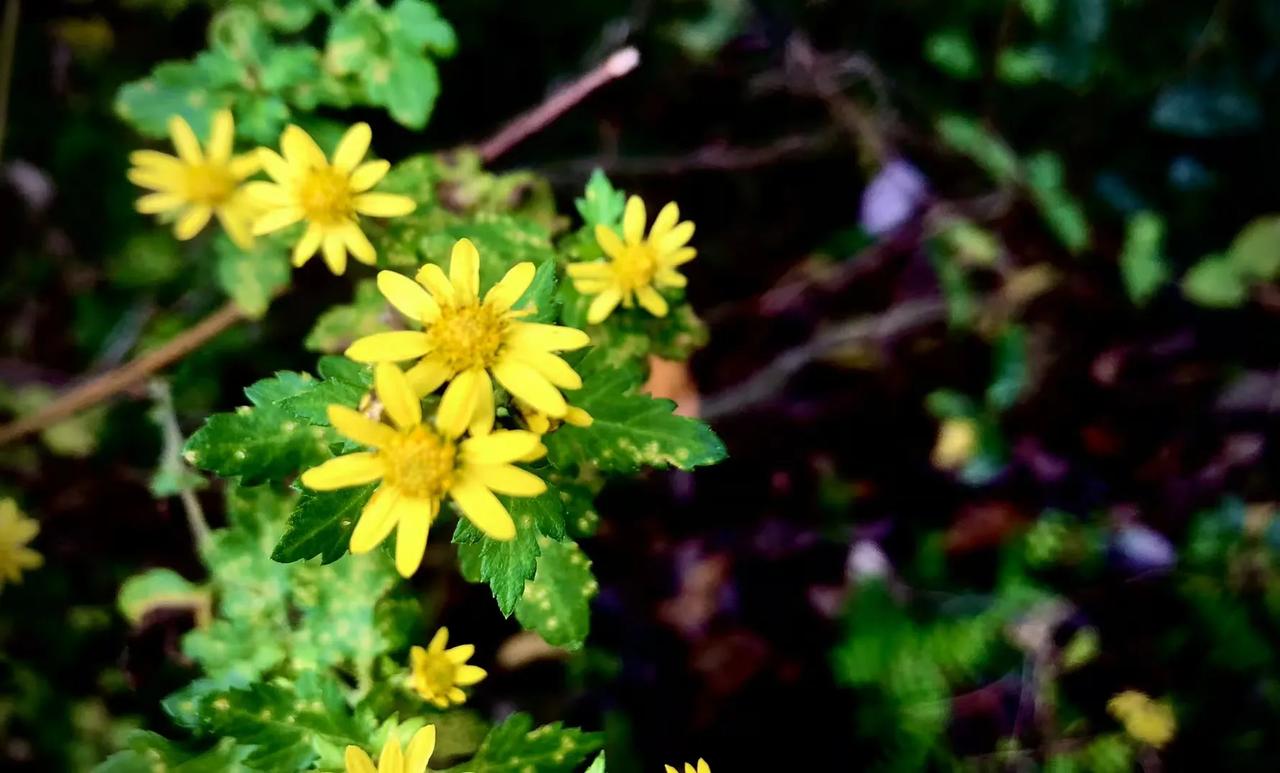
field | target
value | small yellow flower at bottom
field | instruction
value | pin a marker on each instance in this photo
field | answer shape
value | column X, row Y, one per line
column 329, row 195
column 420, row 464
column 1151, row 722
column 438, row 674
column 636, row 266
column 393, row 759
column 197, row 185
column 957, row 443
column 703, row 767
column 16, row 531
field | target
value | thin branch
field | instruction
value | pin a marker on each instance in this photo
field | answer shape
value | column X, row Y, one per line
column 171, row 458
column 8, row 43
column 119, row 379
column 533, row 121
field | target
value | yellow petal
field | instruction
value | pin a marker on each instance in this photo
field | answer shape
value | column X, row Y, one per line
column 357, row 761
column 275, row 219
column 393, row 346
column 508, row 479
column 483, row 509
column 688, row 768
column 670, row 769
column 269, row 195
column 427, row 376
column 608, row 240
column 156, row 161
column 221, row 137
column 237, row 225
column 438, row 641
column 633, row 220
column 593, row 270
column 155, row 203
column 408, row 297
column 508, row 290
column 308, row 244
column 703, row 767
column 147, row 177
column 530, row 386
column 184, row 140
column 377, row 519
column 678, row 258
column 577, row 417
column 358, row 244
column 499, row 447
column 367, row 175
column 457, row 696
column 415, row 516
column 554, row 338
column 245, row 164
column 665, row 221
column 397, row 398
column 459, row 402
column 192, row 221
column 674, row 239
column 554, row 369
column 275, row 166
column 352, row 147
column 421, row 746
column 603, row 305
column 383, row 204
column 344, row 471
column 300, row 150
column 334, row 250
column 433, row 278
column 460, row 654
column 392, row 758
column 464, row 270
column 469, row 675
column 652, row 301
column 669, row 277
column 360, row 428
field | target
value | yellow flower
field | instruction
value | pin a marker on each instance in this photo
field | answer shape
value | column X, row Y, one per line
column 636, row 266
column 466, row 339
column 392, row 759
column 196, row 185
column 703, row 767
column 329, row 196
column 957, row 443
column 420, row 464
column 1151, row 722
column 16, row 531
column 438, row 674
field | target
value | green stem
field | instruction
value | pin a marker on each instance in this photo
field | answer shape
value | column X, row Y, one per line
column 171, row 457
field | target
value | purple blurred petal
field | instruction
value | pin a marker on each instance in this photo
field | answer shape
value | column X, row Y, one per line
column 893, row 197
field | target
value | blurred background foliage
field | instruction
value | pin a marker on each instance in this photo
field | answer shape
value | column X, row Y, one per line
column 993, row 320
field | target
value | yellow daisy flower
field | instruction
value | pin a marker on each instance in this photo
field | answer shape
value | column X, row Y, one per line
column 420, row 464
column 16, row 531
column 1151, row 722
column 439, row 674
column 329, row 195
column 636, row 267
column 703, row 767
column 466, row 339
column 196, row 185
column 393, row 759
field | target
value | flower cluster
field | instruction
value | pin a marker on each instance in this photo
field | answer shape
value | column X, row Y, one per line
column 1146, row 720
column 438, row 674
column 16, row 532
column 329, row 195
column 703, row 767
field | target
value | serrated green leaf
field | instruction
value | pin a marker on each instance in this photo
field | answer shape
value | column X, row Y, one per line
column 406, row 83
column 507, row 565
column 340, row 325
column 155, row 589
column 629, row 430
column 322, row 524
column 502, row 241
column 1142, row 262
column 148, row 752
column 284, row 384
column 1215, row 282
column 258, row 444
column 597, row 765
column 345, row 383
column 174, row 88
column 420, row 25
column 540, row 298
column 557, row 601
column 601, row 203
column 251, row 277
column 514, row 746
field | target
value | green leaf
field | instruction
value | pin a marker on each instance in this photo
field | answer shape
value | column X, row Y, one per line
column 965, row 135
column 257, row 444
column 1142, row 262
column 287, row 15
column 239, row 33
column 156, row 589
column 597, row 765
column 1059, row 208
column 290, row 66
column 629, row 430
column 953, row 52
column 283, row 385
column 950, row 404
column 507, row 565
column 147, row 752
column 251, row 277
column 340, row 325
column 345, row 383
column 340, row 621
column 601, row 204
column 405, row 83
column 419, row 24
column 502, row 241
column 1255, row 252
column 355, row 39
column 322, row 524
column 1215, row 282
column 557, row 601
column 1011, row 374
column 174, row 88
column 540, row 298
column 514, row 746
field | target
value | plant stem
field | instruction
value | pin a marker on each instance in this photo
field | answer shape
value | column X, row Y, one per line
column 171, row 456
column 8, row 42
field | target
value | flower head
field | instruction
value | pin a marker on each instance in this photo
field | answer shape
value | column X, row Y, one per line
column 330, row 195
column 703, row 767
column 466, row 339
column 421, row 463
column 197, row 184
column 393, row 759
column 1151, row 722
column 439, row 674
column 16, row 531
column 636, row 266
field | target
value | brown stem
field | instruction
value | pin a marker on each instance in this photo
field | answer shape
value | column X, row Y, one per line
column 528, row 123
column 119, row 379
column 8, row 43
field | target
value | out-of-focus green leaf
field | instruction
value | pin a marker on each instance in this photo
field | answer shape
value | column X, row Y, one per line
column 336, row 328
column 953, row 52
column 251, row 277
column 965, row 135
column 1063, row 213
column 155, row 589
column 1206, row 108
column 1142, row 261
column 1215, row 282
column 148, row 752
column 1255, row 252
column 557, row 601
column 601, row 203
column 514, row 746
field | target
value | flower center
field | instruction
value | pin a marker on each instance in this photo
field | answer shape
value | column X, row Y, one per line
column 420, row 463
column 325, row 196
column 209, row 184
column 636, row 267
column 438, row 674
column 467, row 337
